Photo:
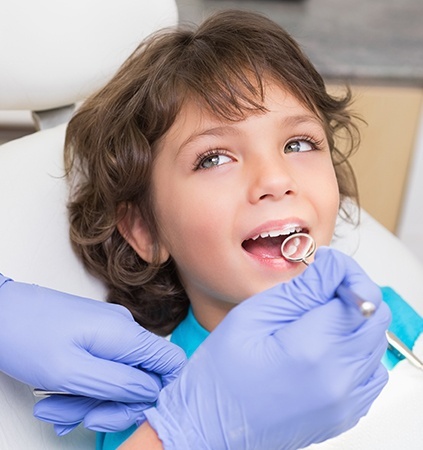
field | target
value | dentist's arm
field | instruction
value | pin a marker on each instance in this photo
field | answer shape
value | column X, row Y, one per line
column 93, row 349
column 292, row 366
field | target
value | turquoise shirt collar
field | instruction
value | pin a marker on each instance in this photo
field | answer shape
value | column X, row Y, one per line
column 189, row 334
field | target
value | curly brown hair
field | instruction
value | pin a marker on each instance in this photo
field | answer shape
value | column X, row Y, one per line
column 110, row 146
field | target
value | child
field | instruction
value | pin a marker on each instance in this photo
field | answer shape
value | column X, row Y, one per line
column 194, row 162
column 217, row 77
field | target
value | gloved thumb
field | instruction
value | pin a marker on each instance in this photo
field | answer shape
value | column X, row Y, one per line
column 114, row 416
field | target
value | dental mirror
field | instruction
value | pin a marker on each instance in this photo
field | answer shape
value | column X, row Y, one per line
column 300, row 246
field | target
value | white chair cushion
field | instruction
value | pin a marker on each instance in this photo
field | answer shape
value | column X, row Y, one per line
column 56, row 53
column 34, row 248
column 34, row 244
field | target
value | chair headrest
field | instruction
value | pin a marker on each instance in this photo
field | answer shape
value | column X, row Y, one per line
column 56, row 53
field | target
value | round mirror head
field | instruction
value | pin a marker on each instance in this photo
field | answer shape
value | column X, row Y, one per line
column 298, row 247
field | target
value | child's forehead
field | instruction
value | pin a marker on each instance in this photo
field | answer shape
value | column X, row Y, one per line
column 273, row 94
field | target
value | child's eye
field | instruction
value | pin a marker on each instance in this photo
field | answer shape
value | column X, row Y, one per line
column 299, row 145
column 212, row 158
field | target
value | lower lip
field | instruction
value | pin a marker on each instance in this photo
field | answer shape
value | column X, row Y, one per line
column 278, row 263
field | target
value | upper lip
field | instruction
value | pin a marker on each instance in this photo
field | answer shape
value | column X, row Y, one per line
column 277, row 228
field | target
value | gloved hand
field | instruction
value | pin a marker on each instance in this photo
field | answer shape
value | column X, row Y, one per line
column 291, row 366
column 93, row 349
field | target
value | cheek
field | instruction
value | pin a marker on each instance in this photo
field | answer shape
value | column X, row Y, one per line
column 335, row 190
column 331, row 189
column 187, row 221
column 328, row 197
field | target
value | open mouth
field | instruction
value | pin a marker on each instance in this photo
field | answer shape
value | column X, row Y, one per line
column 267, row 245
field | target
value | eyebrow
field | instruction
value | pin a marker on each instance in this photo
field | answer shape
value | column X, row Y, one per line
column 302, row 118
column 214, row 131
column 233, row 130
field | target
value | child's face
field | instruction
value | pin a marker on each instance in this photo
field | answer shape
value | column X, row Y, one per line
column 218, row 185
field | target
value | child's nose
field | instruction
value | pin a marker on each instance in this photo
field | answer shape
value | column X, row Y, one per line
column 271, row 179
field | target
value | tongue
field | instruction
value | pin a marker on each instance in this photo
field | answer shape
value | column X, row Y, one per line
column 264, row 247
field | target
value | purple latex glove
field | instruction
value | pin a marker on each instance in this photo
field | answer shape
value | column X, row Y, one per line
column 93, row 349
column 291, row 366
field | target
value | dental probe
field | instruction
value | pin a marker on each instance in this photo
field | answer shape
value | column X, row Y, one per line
column 364, row 306
column 43, row 393
column 403, row 350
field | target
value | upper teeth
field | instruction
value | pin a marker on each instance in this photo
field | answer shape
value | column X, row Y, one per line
column 275, row 233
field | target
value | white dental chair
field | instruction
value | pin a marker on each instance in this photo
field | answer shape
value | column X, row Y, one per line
column 63, row 56
column 53, row 55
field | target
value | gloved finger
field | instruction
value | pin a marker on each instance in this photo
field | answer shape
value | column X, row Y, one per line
column 67, row 412
column 365, row 366
column 343, row 329
column 369, row 391
column 347, row 322
column 372, row 331
column 365, row 347
column 64, row 410
column 361, row 400
column 346, row 270
column 330, row 269
column 62, row 430
column 115, row 416
column 135, row 346
column 331, row 338
column 108, row 380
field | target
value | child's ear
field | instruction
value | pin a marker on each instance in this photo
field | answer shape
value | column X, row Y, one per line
column 135, row 232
